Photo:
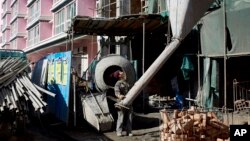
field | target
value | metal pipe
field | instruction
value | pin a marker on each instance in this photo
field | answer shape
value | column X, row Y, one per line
column 74, row 98
column 6, row 77
column 45, row 91
column 143, row 60
column 7, row 96
column 33, row 89
column 32, row 86
column 2, row 96
column 151, row 71
column 19, row 88
column 225, row 56
column 37, row 100
column 3, row 63
column 10, row 65
column 8, row 60
column 29, row 86
column 34, row 103
column 12, row 99
column 14, row 92
column 14, row 76
column 1, row 99
column 19, row 93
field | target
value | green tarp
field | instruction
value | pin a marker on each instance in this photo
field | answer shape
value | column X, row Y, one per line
column 237, row 22
column 209, row 92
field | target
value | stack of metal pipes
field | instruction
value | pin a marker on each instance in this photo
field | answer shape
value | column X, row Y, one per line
column 17, row 92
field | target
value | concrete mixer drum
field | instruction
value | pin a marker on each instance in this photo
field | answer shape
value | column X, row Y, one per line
column 109, row 64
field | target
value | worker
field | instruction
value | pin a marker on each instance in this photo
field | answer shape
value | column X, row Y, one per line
column 124, row 118
column 82, row 86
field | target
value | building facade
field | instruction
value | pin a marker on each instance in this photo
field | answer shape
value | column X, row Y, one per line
column 38, row 27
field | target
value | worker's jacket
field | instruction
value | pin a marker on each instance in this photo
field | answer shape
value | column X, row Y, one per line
column 121, row 88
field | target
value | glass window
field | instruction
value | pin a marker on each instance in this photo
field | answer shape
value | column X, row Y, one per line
column 55, row 1
column 33, row 36
column 14, row 10
column 34, row 11
column 4, row 7
column 59, row 22
column 36, row 34
column 71, row 12
column 13, row 28
column 3, row 38
column 4, row 22
column 13, row 44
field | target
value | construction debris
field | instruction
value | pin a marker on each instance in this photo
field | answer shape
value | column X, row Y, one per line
column 192, row 125
column 19, row 97
column 16, row 89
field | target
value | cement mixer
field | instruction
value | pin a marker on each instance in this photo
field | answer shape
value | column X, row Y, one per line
column 95, row 106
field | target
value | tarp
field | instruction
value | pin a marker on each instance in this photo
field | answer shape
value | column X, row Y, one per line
column 237, row 22
column 209, row 93
column 184, row 14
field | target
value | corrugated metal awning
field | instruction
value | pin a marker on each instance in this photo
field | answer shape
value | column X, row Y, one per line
column 121, row 26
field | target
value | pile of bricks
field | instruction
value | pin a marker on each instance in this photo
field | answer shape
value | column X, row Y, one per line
column 192, row 125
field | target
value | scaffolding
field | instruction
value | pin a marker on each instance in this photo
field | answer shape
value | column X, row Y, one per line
column 241, row 95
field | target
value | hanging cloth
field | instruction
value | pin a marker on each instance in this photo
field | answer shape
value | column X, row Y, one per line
column 186, row 67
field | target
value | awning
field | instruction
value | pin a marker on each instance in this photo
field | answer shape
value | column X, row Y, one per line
column 121, row 26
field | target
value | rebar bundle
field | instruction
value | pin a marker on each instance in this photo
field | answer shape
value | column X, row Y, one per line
column 16, row 88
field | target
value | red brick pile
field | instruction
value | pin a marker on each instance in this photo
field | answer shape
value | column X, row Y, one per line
column 192, row 125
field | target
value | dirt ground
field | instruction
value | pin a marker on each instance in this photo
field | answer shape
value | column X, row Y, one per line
column 145, row 128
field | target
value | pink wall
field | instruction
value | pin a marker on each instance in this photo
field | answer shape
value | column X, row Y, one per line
column 46, row 30
column 84, row 7
column 21, row 24
column 46, row 5
column 35, row 56
column 22, row 9
column 91, row 49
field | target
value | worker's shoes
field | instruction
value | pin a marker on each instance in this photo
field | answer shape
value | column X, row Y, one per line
column 119, row 134
column 130, row 134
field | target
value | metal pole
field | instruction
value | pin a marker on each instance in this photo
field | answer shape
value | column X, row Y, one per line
column 189, row 94
column 143, row 60
column 74, row 92
column 225, row 57
column 74, row 85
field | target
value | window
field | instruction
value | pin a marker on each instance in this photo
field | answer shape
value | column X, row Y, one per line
column 4, row 6
column 36, row 34
column 14, row 10
column 3, row 38
column 71, row 12
column 33, row 36
column 55, row 1
column 34, row 11
column 13, row 28
column 59, row 22
column 4, row 22
column 13, row 44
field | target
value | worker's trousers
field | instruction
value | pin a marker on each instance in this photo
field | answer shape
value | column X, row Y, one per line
column 124, row 120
